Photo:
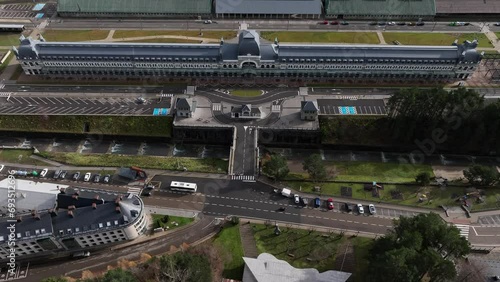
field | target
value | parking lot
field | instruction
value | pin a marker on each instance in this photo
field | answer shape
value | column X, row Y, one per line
column 17, row 11
column 79, row 106
column 490, row 220
column 351, row 107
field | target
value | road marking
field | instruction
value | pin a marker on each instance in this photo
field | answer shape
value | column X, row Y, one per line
column 349, row 220
column 69, row 102
column 475, row 232
column 364, row 223
column 42, row 99
column 50, row 100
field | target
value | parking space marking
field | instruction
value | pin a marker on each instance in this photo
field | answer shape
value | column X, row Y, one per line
column 69, row 102
column 13, row 110
column 14, row 99
column 57, row 100
column 82, row 100
column 50, row 100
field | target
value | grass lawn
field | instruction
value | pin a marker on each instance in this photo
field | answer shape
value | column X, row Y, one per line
column 361, row 247
column 217, row 34
column 151, row 162
column 410, row 194
column 170, row 222
column 103, row 125
column 246, row 92
column 11, row 38
column 162, row 40
column 442, row 39
column 229, row 243
column 367, row 172
column 75, row 35
column 310, row 249
column 19, row 156
column 321, row 37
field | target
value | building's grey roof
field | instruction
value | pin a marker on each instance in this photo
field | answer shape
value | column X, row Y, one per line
column 28, row 227
column 117, row 49
column 279, row 7
column 136, row 6
column 309, row 106
column 246, row 108
column 267, row 268
column 381, row 7
column 184, row 103
column 249, row 43
column 467, row 7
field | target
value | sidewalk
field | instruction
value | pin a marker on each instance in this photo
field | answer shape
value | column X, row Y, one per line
column 248, row 241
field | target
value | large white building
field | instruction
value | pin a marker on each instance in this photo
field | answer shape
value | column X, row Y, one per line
column 67, row 221
column 248, row 58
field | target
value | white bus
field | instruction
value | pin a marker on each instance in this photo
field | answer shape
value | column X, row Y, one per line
column 183, row 186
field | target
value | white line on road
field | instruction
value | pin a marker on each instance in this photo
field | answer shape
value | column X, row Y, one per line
column 474, row 230
column 42, row 99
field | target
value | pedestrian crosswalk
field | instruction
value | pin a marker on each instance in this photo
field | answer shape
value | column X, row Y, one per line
column 4, row 94
column 2, row 86
column 216, row 107
column 243, row 177
column 464, row 230
column 275, row 108
column 134, row 190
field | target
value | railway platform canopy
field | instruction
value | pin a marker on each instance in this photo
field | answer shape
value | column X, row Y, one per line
column 381, row 9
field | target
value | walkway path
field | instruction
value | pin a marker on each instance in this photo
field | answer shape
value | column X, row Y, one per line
column 248, row 241
column 381, row 37
column 110, row 38
column 110, row 35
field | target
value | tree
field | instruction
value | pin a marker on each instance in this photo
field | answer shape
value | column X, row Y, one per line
column 315, row 167
column 118, row 275
column 417, row 247
column 482, row 175
column 423, row 178
column 186, row 267
column 276, row 167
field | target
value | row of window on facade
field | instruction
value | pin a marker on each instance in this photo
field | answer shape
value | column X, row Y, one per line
column 26, row 234
column 87, row 228
column 125, row 58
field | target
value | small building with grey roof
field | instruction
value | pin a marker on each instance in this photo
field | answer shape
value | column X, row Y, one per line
column 134, row 8
column 381, row 9
column 277, row 9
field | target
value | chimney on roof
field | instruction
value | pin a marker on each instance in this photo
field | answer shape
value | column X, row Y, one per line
column 71, row 208
column 94, row 206
column 19, row 219
column 118, row 210
column 70, row 213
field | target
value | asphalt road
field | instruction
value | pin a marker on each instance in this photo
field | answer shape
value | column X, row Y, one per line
column 91, row 89
column 78, row 106
column 245, row 151
column 270, row 25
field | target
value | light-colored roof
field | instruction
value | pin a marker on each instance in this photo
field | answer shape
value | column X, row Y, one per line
column 30, row 195
column 136, row 6
column 278, row 7
column 381, row 7
column 267, row 268
column 467, row 7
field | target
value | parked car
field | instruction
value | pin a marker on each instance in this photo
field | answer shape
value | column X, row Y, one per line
column 87, row 176
column 44, row 172
column 344, row 23
column 97, row 178
column 420, row 23
column 391, row 23
column 410, row 24
column 76, row 176
column 497, row 24
column 330, row 203
column 207, row 22
column 63, row 174
column 81, row 255
column 317, row 202
column 373, row 23
column 334, row 22
column 147, row 193
column 401, row 23
column 371, row 208
column 296, row 198
column 107, row 178
column 305, row 201
column 361, row 210
column 348, row 207
column 57, row 173
column 323, row 22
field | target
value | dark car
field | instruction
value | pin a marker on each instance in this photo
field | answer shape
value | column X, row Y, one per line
column 97, row 178
column 76, row 176
column 401, row 23
column 317, row 202
column 373, row 23
column 282, row 209
column 57, row 173
column 147, row 193
column 466, row 23
column 420, row 23
column 348, row 207
column 334, row 23
column 63, row 174
column 107, row 178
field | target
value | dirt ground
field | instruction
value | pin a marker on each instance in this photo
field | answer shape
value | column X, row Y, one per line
column 450, row 172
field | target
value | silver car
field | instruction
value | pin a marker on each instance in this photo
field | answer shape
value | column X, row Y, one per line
column 361, row 210
column 371, row 208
